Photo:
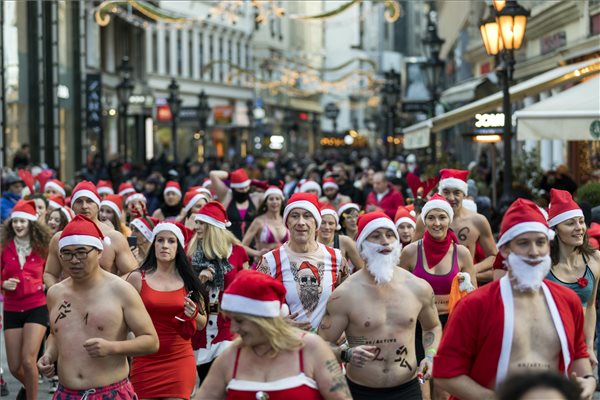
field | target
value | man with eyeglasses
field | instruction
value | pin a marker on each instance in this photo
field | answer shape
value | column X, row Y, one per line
column 116, row 257
column 309, row 270
column 91, row 313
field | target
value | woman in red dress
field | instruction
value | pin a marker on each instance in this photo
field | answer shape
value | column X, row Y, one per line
column 173, row 297
column 217, row 257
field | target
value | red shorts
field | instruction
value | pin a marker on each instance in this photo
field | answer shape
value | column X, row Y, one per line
column 122, row 390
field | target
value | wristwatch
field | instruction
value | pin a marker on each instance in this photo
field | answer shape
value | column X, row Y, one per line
column 346, row 355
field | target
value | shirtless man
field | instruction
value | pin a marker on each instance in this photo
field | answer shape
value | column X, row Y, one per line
column 519, row 323
column 91, row 313
column 470, row 228
column 116, row 257
column 381, row 359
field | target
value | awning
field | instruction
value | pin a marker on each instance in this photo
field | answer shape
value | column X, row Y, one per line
column 462, row 92
column 566, row 116
column 556, row 77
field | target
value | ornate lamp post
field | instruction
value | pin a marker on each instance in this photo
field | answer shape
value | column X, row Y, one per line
column 124, row 90
column 203, row 110
column 502, row 33
column 175, row 105
column 390, row 97
column 433, row 67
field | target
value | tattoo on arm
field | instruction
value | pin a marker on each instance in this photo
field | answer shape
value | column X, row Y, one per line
column 428, row 339
column 63, row 310
column 338, row 381
column 85, row 319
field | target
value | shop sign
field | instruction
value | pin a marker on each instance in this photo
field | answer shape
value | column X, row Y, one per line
column 552, row 42
column 163, row 113
column 489, row 120
column 595, row 129
column 93, row 95
column 223, row 115
column 188, row 114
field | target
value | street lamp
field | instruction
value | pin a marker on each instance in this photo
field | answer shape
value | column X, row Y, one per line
column 502, row 33
column 175, row 106
column 389, row 103
column 124, row 90
column 203, row 111
column 433, row 68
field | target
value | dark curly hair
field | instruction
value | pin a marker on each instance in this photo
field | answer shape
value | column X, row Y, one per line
column 516, row 386
column 39, row 235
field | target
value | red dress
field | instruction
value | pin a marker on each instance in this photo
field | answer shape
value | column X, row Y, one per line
column 170, row 372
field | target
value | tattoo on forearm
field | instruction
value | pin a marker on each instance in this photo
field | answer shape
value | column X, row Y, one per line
column 85, row 319
column 338, row 381
column 428, row 339
column 401, row 353
column 63, row 310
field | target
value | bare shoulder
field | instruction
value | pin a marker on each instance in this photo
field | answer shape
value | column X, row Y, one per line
column 119, row 286
column 313, row 343
column 56, row 290
column 134, row 278
column 463, row 251
column 346, row 241
column 594, row 262
column 480, row 221
column 420, row 287
column 410, row 249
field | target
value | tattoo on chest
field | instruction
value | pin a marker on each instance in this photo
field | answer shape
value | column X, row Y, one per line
column 354, row 341
column 63, row 310
column 85, row 319
column 463, row 234
column 533, row 365
column 401, row 354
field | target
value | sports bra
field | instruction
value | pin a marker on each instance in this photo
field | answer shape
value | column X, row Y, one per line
column 267, row 236
column 299, row 387
column 584, row 292
column 441, row 284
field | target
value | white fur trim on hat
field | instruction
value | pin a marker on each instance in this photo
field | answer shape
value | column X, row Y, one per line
column 135, row 196
column 330, row 185
column 105, row 190
column 82, row 240
column 213, row 221
column 240, row 185
column 169, row 227
column 311, row 185
column 245, row 305
column 439, row 204
column 126, row 191
column 329, row 211
column 56, row 187
column 85, row 193
column 406, row 220
column 193, row 201
column 24, row 215
column 66, row 213
column 305, row 205
column 53, row 204
column 205, row 191
column 143, row 228
column 373, row 226
column 453, row 183
column 524, row 227
column 348, row 206
column 565, row 216
column 274, row 190
column 112, row 206
column 172, row 189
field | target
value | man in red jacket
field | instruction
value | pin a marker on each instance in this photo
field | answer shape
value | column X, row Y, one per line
column 383, row 197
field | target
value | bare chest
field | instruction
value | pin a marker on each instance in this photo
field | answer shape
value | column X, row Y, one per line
column 466, row 232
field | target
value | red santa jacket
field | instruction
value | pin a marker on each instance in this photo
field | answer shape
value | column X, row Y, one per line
column 389, row 203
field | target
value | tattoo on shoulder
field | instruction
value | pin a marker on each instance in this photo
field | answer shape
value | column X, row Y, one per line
column 63, row 310
column 338, row 381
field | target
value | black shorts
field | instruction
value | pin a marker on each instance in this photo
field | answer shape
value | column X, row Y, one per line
column 410, row 390
column 18, row 319
column 419, row 338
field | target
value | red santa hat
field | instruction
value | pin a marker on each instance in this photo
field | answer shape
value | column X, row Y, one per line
column 330, row 183
column 145, row 225
column 126, row 188
column 239, row 179
column 24, row 209
column 175, row 228
column 85, row 189
column 135, row 197
column 82, row 231
column 521, row 217
column 56, row 185
column 310, row 185
column 562, row 207
column 329, row 210
column 114, row 202
column 404, row 216
column 68, row 213
column 172, row 186
column 454, row 179
column 347, row 207
column 213, row 213
column 201, row 189
column 206, row 183
column 191, row 198
column 274, row 190
column 370, row 222
column 105, row 187
column 305, row 201
column 56, row 201
column 257, row 294
column 437, row 201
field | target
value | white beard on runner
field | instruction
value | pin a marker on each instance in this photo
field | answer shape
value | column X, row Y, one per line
column 381, row 266
column 528, row 277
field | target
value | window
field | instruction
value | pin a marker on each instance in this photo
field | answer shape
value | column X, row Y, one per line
column 211, row 53
column 154, row 51
column 179, row 54
column 239, row 54
column 247, row 66
column 221, row 66
column 190, row 54
column 201, row 55
column 168, row 52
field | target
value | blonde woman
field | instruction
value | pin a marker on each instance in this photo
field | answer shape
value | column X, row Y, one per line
column 270, row 359
column 217, row 257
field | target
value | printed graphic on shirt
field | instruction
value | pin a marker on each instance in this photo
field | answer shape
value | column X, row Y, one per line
column 308, row 283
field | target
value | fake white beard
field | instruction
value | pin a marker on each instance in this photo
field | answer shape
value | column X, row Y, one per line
column 381, row 266
column 528, row 277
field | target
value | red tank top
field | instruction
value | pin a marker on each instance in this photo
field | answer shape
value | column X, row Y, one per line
column 299, row 387
column 441, row 284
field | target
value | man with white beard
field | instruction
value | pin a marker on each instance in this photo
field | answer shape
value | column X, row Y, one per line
column 517, row 324
column 378, row 308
